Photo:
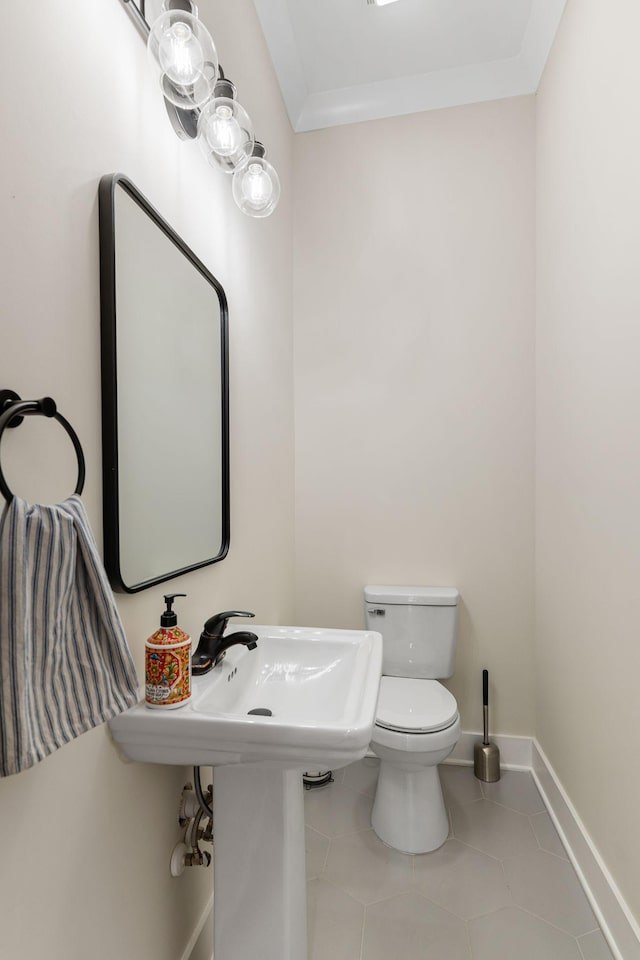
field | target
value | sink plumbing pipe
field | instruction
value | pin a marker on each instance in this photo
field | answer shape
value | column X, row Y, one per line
column 204, row 806
column 194, row 809
column 192, row 837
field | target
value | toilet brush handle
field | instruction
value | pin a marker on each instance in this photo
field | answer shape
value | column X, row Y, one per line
column 485, row 706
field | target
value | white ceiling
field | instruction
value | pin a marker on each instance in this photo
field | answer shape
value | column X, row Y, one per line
column 341, row 61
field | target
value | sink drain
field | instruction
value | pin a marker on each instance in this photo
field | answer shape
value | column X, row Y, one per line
column 261, row 712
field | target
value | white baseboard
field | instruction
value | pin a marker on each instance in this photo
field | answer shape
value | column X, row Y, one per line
column 194, row 949
column 515, row 752
column 614, row 916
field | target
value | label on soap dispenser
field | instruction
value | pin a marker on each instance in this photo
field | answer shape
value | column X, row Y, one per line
column 168, row 668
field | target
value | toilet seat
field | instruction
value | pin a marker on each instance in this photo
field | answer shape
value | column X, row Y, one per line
column 412, row 706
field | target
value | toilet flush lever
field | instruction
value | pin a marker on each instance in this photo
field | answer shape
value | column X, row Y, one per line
column 377, row 612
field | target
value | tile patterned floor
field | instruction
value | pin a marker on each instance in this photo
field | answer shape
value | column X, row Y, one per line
column 501, row 887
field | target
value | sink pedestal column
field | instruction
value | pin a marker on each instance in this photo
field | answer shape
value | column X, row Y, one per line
column 259, row 899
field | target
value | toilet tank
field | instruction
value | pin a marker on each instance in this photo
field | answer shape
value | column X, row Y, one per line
column 418, row 627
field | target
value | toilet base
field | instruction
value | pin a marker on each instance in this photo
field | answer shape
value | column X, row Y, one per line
column 408, row 811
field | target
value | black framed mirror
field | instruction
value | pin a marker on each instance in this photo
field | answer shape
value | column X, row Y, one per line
column 165, row 397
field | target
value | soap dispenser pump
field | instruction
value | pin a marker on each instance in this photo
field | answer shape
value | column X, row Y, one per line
column 168, row 661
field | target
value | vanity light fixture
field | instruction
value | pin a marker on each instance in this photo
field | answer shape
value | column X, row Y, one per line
column 379, row 3
column 201, row 101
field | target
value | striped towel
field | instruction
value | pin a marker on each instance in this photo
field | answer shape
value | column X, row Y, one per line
column 65, row 666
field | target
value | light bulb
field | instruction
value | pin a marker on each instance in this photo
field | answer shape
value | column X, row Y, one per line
column 181, row 56
column 184, row 57
column 225, row 131
column 256, row 187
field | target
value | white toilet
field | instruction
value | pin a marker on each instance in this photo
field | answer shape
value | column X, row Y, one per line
column 417, row 722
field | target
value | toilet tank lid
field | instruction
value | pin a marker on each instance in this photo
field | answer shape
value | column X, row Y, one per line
column 422, row 596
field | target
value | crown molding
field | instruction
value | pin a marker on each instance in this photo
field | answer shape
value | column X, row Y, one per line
column 475, row 83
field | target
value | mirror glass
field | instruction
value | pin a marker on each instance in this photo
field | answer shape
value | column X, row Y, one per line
column 165, row 397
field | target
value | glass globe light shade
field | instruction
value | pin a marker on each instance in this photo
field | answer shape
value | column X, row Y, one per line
column 256, row 187
column 184, row 57
column 225, row 133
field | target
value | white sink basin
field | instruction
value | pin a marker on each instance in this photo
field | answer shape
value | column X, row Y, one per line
column 320, row 685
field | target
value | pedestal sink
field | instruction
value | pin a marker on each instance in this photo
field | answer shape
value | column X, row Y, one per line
column 321, row 687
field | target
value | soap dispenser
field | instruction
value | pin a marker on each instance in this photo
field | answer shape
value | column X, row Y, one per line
column 168, row 661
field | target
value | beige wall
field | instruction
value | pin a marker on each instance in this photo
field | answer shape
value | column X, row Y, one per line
column 414, row 345
column 85, row 839
column 588, row 460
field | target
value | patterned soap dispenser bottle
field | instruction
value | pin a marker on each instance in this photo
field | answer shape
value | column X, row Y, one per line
column 168, row 661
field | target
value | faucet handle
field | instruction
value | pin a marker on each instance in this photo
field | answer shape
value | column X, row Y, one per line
column 216, row 624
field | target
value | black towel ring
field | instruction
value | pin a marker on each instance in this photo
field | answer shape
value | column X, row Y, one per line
column 15, row 409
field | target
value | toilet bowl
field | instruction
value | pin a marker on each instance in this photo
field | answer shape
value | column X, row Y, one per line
column 417, row 722
column 411, row 740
